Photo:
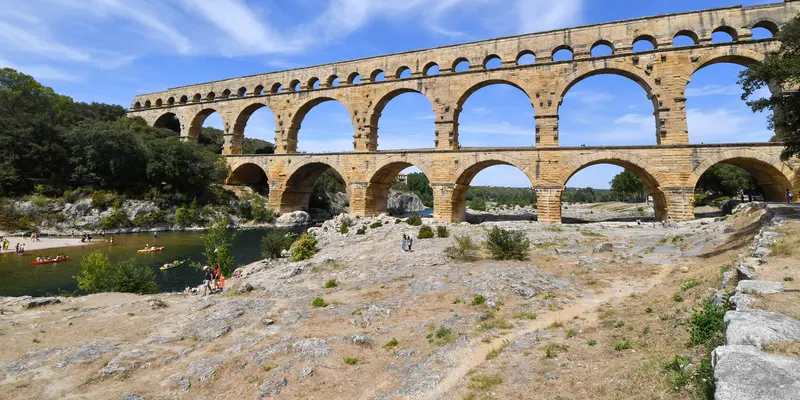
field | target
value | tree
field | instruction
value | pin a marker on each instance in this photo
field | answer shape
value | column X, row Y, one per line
column 627, row 183
column 726, row 180
column 218, row 247
column 98, row 275
column 779, row 70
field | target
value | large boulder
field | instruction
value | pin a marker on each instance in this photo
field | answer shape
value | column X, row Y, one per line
column 758, row 327
column 759, row 287
column 746, row 271
column 603, row 247
column 744, row 372
column 296, row 218
column 401, row 202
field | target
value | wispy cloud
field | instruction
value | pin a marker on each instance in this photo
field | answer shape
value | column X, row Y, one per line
column 589, row 96
column 714, row 90
column 542, row 15
column 42, row 72
column 499, row 128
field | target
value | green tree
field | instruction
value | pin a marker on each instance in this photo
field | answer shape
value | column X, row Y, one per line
column 504, row 244
column 99, row 275
column 275, row 242
column 218, row 245
column 779, row 70
column 95, row 274
column 726, row 180
column 627, row 185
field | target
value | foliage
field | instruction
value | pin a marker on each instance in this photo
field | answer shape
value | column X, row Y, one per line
column 477, row 204
column 483, row 382
column 319, row 302
column 274, row 242
column 780, row 69
column 706, row 324
column 260, row 212
column 442, row 232
column 345, row 225
column 188, row 216
column 98, row 275
column 304, row 247
column 425, row 232
column 391, row 344
column 552, row 349
column 376, row 224
column 329, row 182
column 414, row 220
column 507, row 245
column 362, row 230
column 463, row 249
column 622, row 345
column 586, row 195
column 217, row 245
column 627, row 185
column 477, row 196
column 478, row 300
column 726, row 180
column 591, row 342
column 331, row 283
column 350, row 360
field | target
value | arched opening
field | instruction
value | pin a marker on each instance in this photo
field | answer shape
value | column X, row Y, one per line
column 602, row 48
column 333, row 81
column 313, row 83
column 611, row 190
column 715, row 112
column 685, row 38
column 255, row 130
column 207, row 128
column 184, row 99
column 526, row 58
column 171, row 101
column 403, row 73
column 158, row 103
column 377, row 76
column 431, row 69
column 739, row 178
column 250, row 175
column 169, row 121
column 226, row 93
column 276, row 88
column 492, row 62
column 496, row 113
column 724, row 34
column 607, row 107
column 211, row 96
column 322, row 125
column 404, row 120
column 147, row 104
column 258, row 90
column 242, row 92
column 644, row 43
column 487, row 190
column 295, row 85
column 137, row 105
column 399, row 189
column 562, row 53
column 354, row 78
column 316, row 188
column 461, row 65
column 765, row 30
column 197, row 97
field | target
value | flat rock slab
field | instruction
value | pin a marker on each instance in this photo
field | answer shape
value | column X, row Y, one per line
column 759, row 287
column 758, row 327
column 744, row 373
column 40, row 301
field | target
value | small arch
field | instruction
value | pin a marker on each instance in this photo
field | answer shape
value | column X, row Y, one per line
column 171, row 101
column 242, row 92
column 644, row 43
column 276, row 88
column 526, row 57
column 258, row 91
column 431, row 69
column 184, row 99
column 685, row 38
column 461, row 64
column 602, row 48
column 197, row 98
column 147, row 104
column 251, row 175
column 256, row 121
column 354, row 79
column 313, row 83
column 724, row 34
column 492, row 61
column 226, row 94
column 211, row 96
column 295, row 85
column 563, row 53
column 158, row 102
column 403, row 73
column 137, row 105
column 377, row 76
column 168, row 120
column 299, row 186
column 401, row 122
column 769, row 26
column 299, row 117
column 380, row 185
column 333, row 81
column 466, row 174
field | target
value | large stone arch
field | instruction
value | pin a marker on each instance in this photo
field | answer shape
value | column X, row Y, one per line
column 727, row 54
column 168, row 120
column 234, row 141
column 199, row 118
column 292, row 190
column 374, row 199
column 299, row 114
column 375, row 112
column 248, row 174
column 772, row 174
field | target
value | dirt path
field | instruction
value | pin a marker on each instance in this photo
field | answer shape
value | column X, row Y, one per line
column 474, row 354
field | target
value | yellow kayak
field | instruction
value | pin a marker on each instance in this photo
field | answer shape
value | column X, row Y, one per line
column 151, row 249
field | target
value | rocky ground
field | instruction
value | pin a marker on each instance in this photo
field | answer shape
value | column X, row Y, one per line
column 396, row 324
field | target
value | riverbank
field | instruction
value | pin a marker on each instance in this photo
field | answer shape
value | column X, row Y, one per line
column 47, row 243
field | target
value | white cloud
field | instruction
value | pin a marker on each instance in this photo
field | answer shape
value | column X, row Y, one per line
column 480, row 111
column 723, row 125
column 42, row 72
column 23, row 40
column 589, row 96
column 714, row 90
column 542, row 15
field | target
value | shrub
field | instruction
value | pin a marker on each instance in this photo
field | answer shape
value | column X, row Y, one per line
column 441, row 336
column 99, row 275
column 245, row 210
column 261, row 213
column 477, row 204
column 319, row 302
column 391, row 344
column 525, row 315
column 788, row 279
column 376, row 224
column 274, row 242
column 591, row 342
column 304, row 247
column 622, row 345
column 706, row 324
column 425, row 232
column 552, row 349
column 463, row 249
column 648, row 310
column 117, row 219
column 361, row 231
column 478, row 300
column 482, row 382
column 414, row 220
column 347, row 222
column 331, row 283
column 344, row 229
column 217, row 245
column 442, row 232
column 493, row 353
column 690, row 283
column 507, row 245
column 350, row 360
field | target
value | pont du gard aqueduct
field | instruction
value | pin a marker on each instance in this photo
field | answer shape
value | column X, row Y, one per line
column 671, row 168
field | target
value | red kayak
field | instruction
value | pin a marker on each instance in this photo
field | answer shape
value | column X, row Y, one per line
column 60, row 259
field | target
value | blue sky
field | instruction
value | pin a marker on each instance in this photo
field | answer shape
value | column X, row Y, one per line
column 110, row 50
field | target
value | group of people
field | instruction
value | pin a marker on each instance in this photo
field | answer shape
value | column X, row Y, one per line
column 407, row 242
column 35, row 236
column 213, row 281
column 86, row 238
column 59, row 257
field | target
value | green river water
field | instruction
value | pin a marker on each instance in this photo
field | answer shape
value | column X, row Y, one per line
column 20, row 278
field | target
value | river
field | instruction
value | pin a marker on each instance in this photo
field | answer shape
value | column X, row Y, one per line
column 20, row 278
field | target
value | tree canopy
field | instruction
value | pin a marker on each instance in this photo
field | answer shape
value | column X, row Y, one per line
column 627, row 185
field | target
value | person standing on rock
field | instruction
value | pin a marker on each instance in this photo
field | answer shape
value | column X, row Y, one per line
column 207, row 278
column 789, row 196
column 403, row 244
column 410, row 242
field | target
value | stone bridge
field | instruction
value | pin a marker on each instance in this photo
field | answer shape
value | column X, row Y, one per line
column 365, row 86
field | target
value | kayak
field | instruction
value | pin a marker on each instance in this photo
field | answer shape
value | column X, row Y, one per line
column 152, row 249
column 176, row 264
column 50, row 261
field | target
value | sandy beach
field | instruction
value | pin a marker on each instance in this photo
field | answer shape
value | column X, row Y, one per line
column 46, row 243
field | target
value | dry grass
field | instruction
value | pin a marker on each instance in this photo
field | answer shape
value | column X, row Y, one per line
column 784, row 348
